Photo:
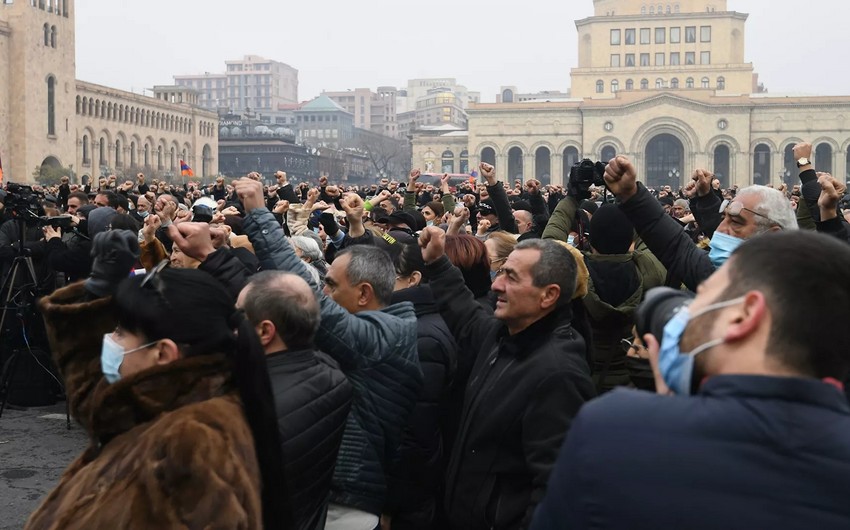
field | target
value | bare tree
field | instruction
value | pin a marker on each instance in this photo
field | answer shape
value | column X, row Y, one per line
column 388, row 156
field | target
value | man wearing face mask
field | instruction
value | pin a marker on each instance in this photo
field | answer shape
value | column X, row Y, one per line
column 754, row 211
column 763, row 443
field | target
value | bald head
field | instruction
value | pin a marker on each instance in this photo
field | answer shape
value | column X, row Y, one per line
column 283, row 309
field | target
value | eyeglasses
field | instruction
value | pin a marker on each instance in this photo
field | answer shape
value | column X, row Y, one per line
column 628, row 345
column 734, row 209
column 497, row 260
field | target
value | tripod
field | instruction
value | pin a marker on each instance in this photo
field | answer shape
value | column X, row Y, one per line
column 20, row 301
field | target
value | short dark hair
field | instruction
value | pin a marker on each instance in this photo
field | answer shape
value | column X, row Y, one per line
column 112, row 199
column 81, row 196
column 372, row 265
column 808, row 293
column 294, row 312
column 555, row 266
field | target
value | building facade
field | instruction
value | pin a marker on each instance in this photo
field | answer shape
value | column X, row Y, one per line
column 49, row 118
column 250, row 83
column 375, row 111
column 687, row 101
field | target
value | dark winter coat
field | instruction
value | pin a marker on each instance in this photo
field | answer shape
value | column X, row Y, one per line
column 415, row 475
column 746, row 452
column 312, row 399
column 523, row 391
column 377, row 351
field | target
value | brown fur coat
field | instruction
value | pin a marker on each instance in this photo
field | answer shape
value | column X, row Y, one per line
column 170, row 447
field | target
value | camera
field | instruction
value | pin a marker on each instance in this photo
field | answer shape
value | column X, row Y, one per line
column 22, row 200
column 658, row 307
column 57, row 221
column 587, row 173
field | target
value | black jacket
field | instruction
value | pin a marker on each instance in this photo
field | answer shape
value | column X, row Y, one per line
column 414, row 476
column 312, row 399
column 73, row 259
column 522, row 393
column 667, row 240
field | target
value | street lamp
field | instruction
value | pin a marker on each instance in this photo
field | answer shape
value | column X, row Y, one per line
column 674, row 174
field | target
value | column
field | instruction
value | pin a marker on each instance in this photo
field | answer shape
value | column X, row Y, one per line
column 777, row 165
column 501, row 167
column 529, row 169
column 557, row 168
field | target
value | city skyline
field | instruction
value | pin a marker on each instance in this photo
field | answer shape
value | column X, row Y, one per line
column 540, row 60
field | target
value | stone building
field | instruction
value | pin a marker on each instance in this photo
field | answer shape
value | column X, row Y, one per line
column 48, row 117
column 666, row 85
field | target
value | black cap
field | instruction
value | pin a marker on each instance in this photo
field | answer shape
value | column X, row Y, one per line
column 611, row 232
column 487, row 207
column 399, row 218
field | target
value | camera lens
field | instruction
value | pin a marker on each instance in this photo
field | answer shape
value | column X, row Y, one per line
column 659, row 306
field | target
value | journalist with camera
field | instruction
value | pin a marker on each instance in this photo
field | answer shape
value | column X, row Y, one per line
column 751, row 427
column 21, row 236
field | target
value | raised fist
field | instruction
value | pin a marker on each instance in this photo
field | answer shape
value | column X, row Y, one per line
column 433, row 243
column 488, row 172
column 803, row 150
column 703, row 178
column 414, row 175
column 621, row 178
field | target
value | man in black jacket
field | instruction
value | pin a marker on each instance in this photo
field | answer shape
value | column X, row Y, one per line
column 312, row 395
column 525, row 375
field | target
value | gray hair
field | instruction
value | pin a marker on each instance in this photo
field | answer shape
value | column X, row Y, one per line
column 372, row 265
column 308, row 247
column 555, row 266
column 288, row 302
column 773, row 204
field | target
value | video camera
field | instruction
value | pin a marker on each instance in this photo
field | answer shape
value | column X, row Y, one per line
column 587, row 173
column 25, row 204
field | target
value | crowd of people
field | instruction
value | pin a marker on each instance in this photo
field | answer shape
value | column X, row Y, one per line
column 416, row 355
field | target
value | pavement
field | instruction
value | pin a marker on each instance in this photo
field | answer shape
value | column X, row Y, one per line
column 35, row 448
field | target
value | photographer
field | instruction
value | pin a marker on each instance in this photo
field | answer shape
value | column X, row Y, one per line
column 22, row 207
column 763, row 443
column 73, row 257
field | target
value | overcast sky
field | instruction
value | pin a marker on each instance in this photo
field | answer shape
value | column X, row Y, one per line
column 796, row 47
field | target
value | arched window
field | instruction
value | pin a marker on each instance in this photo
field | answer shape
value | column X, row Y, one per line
column 651, row 10
column 507, row 96
column 86, row 153
column 823, row 158
column 47, row 35
column 171, row 159
column 669, row 9
column 689, row 82
column 659, row 83
column 132, row 154
column 464, row 162
column 642, row 10
column 630, row 85
column 600, row 86
column 488, row 156
column 706, row 83
column 118, row 153
column 644, row 84
column 676, row 8
column 51, row 106
column 571, row 158
column 102, row 151
column 41, row 4
column 78, row 105
column 53, row 36
column 761, row 164
column 448, row 162
column 159, row 157
column 615, row 86
column 721, row 164
column 674, row 83
column 608, row 152
column 721, row 83
column 515, row 163
column 147, row 155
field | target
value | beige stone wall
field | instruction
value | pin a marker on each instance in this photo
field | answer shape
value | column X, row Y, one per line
column 635, row 7
column 628, row 126
column 30, row 64
column 428, row 151
column 129, row 125
column 726, row 49
column 5, row 70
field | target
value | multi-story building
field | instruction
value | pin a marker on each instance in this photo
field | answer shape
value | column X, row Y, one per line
column 439, row 106
column 375, row 111
column 323, row 122
column 416, row 89
column 252, row 82
column 50, row 119
column 665, row 84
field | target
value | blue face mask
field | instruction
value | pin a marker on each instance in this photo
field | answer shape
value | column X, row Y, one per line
column 722, row 246
column 112, row 355
column 430, row 223
column 144, row 214
column 677, row 368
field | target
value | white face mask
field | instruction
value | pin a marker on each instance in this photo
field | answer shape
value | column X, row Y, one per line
column 112, row 355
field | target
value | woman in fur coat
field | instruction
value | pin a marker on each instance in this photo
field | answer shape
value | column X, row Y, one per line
column 178, row 409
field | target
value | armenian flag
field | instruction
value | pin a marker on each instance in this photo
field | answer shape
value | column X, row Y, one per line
column 185, row 170
column 1, row 172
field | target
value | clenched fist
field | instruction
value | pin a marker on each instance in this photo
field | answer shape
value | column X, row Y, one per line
column 621, row 178
column 433, row 243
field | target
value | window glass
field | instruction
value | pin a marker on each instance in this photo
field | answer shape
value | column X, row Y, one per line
column 675, row 35
column 630, row 59
column 644, row 59
column 630, row 36
column 705, row 34
column 615, row 60
column 690, row 58
column 660, row 35
column 675, row 59
column 691, row 34
column 705, row 58
column 645, row 35
column 615, row 37
column 659, row 59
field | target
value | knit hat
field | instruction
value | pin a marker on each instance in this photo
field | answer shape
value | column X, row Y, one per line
column 589, row 206
column 611, row 231
column 100, row 219
column 521, row 205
